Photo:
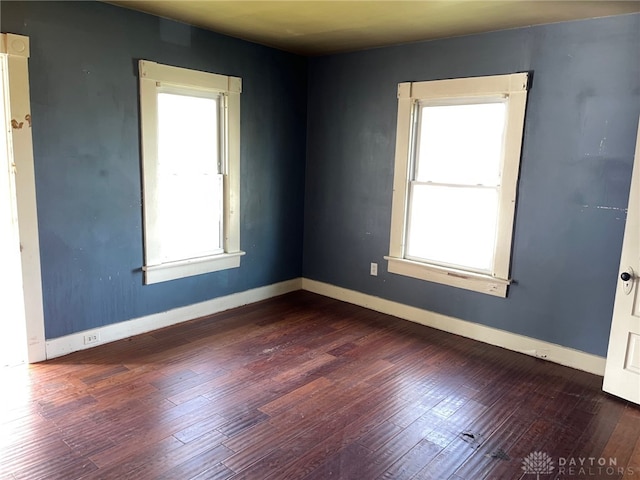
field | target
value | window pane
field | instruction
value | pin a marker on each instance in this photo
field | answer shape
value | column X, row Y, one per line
column 189, row 185
column 455, row 226
column 461, row 144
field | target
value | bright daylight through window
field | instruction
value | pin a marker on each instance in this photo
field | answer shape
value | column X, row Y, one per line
column 190, row 124
column 456, row 169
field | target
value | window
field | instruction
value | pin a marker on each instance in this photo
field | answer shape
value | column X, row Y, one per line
column 190, row 124
column 456, row 172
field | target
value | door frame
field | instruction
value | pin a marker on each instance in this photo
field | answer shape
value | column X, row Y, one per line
column 16, row 48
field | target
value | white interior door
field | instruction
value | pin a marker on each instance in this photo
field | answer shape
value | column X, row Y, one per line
column 622, row 373
column 13, row 338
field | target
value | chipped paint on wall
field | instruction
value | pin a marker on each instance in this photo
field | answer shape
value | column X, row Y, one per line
column 606, row 207
column 617, row 209
column 18, row 125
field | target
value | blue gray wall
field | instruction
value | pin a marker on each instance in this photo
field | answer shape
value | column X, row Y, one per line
column 577, row 155
column 579, row 139
column 85, row 132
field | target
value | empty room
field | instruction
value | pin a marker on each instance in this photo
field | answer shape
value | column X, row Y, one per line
column 299, row 239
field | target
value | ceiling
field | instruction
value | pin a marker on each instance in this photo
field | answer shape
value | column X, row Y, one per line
column 324, row 26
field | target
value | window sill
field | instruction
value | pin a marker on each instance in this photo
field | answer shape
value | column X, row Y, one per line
column 448, row 276
column 187, row 268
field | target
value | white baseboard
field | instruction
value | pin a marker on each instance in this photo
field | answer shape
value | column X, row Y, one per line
column 519, row 343
column 57, row 347
column 511, row 341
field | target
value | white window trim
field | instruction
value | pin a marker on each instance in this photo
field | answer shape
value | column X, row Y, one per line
column 152, row 76
column 515, row 87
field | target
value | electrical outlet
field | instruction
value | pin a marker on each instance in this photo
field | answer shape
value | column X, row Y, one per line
column 374, row 269
column 91, row 338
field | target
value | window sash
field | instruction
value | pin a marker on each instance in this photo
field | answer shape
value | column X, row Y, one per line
column 221, row 102
column 434, row 232
column 189, row 188
column 455, row 238
column 429, row 164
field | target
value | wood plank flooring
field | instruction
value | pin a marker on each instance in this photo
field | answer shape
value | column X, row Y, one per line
column 306, row 387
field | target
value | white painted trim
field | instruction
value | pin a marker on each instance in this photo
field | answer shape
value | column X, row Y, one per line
column 17, row 49
column 476, row 282
column 168, row 74
column 193, row 266
column 470, row 86
column 71, row 343
column 519, row 343
column 511, row 341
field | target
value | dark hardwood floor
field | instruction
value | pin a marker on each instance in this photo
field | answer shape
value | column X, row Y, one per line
column 305, row 387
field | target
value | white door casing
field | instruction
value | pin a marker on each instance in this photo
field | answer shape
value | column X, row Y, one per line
column 622, row 372
column 16, row 47
column 13, row 338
